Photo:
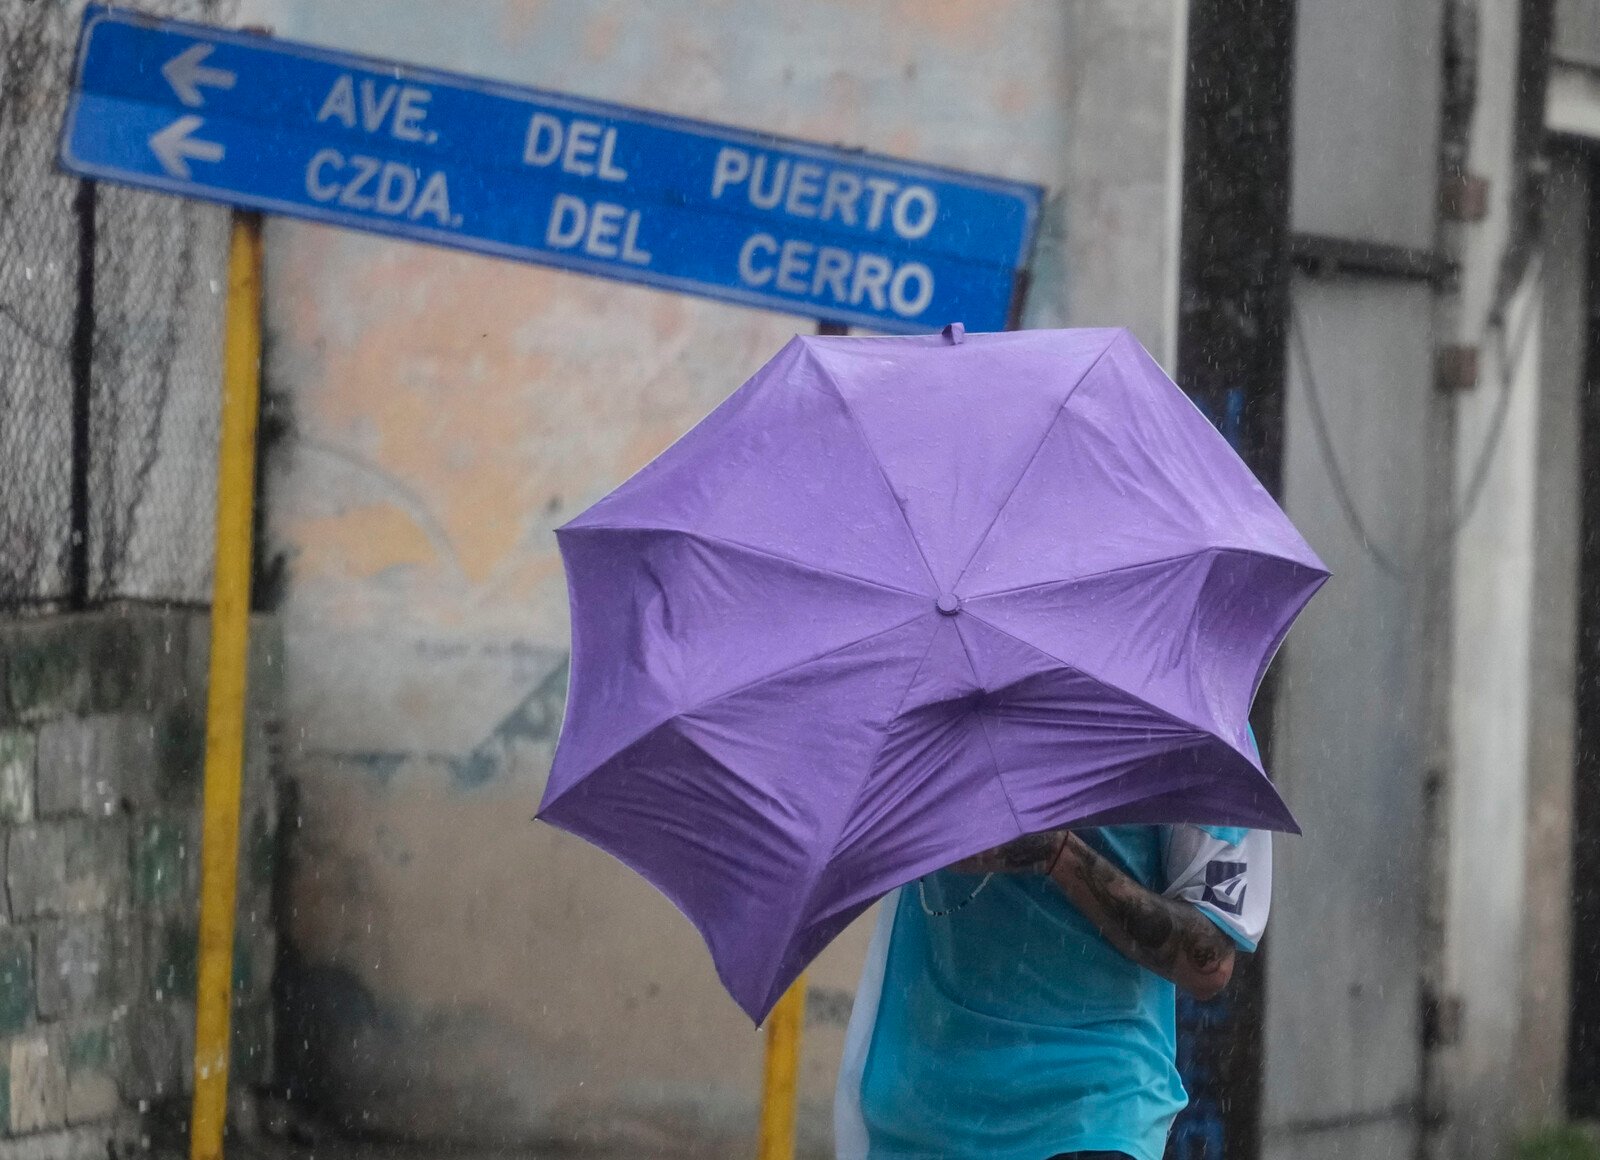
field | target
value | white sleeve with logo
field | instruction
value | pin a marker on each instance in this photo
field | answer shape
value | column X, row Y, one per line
column 1226, row 874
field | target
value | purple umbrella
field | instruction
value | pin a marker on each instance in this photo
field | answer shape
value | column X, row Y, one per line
column 900, row 600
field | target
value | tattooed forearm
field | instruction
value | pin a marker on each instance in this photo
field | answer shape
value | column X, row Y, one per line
column 1143, row 916
column 1171, row 938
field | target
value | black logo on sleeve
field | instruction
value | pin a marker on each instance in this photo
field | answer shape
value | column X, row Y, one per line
column 1225, row 885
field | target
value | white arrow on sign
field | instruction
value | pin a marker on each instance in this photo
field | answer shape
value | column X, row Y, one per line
column 185, row 73
column 173, row 146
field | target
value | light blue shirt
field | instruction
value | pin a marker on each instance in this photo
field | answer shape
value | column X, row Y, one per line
column 1009, row 1029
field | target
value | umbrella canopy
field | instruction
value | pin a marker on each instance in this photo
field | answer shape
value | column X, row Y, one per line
column 900, row 600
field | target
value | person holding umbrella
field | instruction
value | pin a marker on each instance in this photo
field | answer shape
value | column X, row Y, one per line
column 898, row 601
column 1021, row 1005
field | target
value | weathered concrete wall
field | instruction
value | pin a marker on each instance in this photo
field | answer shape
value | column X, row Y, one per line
column 459, row 970
column 1344, row 957
column 1343, row 1039
column 1515, row 624
column 102, row 735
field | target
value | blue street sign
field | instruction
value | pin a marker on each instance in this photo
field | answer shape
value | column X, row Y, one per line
column 834, row 234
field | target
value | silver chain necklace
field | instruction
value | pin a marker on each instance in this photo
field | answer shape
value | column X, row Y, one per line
column 922, row 897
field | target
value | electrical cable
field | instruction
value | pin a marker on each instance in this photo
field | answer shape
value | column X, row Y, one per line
column 1507, row 356
column 1330, row 458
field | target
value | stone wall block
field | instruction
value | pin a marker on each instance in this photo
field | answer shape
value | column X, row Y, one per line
column 160, row 1050
column 164, row 659
column 77, row 965
column 18, row 761
column 166, row 860
column 119, row 669
column 139, row 760
column 198, row 662
column 136, row 759
column 91, row 1096
column 96, row 1054
column 96, row 864
column 66, row 867
column 38, row 1082
column 90, row 765
column 102, row 745
column 17, row 995
column 171, row 956
column 117, row 1138
column 35, row 869
column 47, row 667
column 97, row 1042
column 181, row 753
column 75, row 753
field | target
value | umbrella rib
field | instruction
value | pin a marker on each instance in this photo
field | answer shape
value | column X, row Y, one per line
column 1026, row 467
column 814, row 879
column 680, row 710
column 740, row 545
column 844, row 818
column 1064, row 580
column 983, row 728
column 1209, row 549
column 872, row 454
column 801, row 663
column 1104, row 684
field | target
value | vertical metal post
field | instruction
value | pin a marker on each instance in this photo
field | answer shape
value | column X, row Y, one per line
column 785, row 1028
column 1583, row 1045
column 230, row 640
column 781, row 1077
column 1232, row 329
column 82, row 365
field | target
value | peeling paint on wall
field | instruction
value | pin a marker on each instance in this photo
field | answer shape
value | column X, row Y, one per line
column 534, row 721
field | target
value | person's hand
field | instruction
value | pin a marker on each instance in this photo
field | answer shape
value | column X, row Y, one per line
column 1029, row 854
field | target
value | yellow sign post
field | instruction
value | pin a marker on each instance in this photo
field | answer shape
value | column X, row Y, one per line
column 225, row 707
column 782, row 1073
column 781, row 1076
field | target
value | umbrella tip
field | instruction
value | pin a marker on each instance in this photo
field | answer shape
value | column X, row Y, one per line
column 955, row 333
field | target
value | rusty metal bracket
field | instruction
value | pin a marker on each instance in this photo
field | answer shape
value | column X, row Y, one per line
column 1323, row 256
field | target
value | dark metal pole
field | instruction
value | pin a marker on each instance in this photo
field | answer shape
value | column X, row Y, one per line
column 1583, row 1046
column 82, row 368
column 1234, row 269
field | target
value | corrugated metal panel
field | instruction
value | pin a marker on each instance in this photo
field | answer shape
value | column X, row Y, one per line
column 1342, row 1042
column 1366, row 118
